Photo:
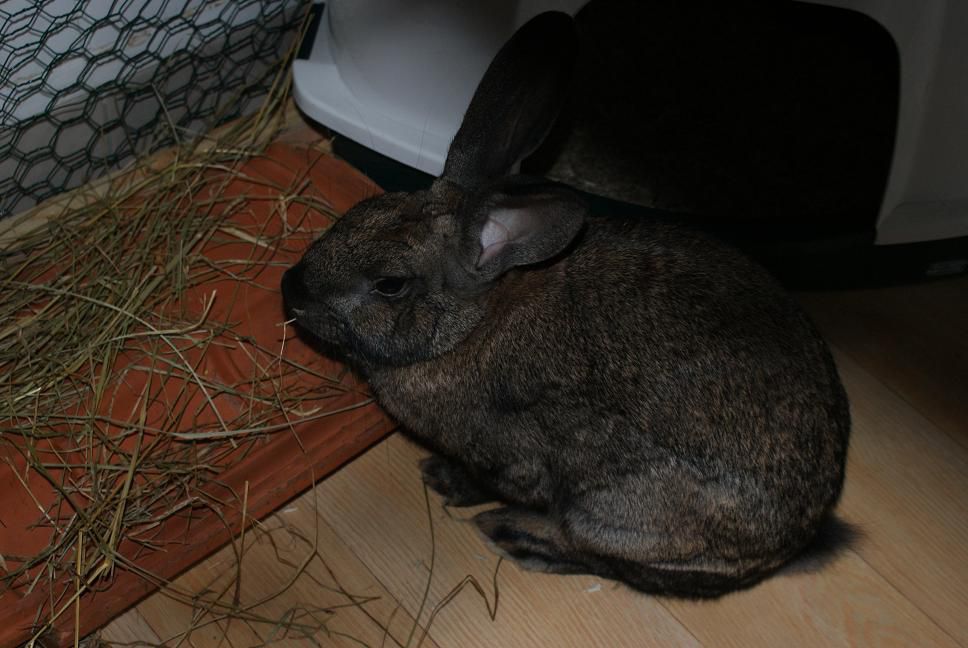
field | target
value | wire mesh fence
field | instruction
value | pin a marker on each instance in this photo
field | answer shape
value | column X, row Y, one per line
column 86, row 86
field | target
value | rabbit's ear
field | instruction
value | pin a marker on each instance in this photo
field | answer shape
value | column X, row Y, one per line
column 522, row 227
column 516, row 103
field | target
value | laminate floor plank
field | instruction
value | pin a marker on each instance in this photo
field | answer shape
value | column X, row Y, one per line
column 914, row 339
column 378, row 508
column 306, row 585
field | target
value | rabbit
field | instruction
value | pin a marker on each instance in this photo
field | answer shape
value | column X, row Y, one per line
column 645, row 403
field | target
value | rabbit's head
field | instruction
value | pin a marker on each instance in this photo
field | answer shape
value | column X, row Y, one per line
column 403, row 277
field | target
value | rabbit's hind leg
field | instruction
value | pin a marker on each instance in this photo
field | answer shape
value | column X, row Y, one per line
column 666, row 538
column 541, row 542
column 453, row 482
column 533, row 540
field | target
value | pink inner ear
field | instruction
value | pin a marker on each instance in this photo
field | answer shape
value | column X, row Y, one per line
column 502, row 227
column 494, row 236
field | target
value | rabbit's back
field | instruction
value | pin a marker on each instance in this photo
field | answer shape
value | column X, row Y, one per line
column 688, row 322
column 713, row 360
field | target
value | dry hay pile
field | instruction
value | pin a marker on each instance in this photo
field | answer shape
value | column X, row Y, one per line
column 100, row 300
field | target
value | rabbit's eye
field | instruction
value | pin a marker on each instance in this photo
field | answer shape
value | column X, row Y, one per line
column 390, row 286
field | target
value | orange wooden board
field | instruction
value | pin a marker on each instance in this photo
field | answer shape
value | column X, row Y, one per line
column 272, row 469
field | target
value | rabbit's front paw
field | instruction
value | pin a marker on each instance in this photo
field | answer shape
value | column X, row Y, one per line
column 452, row 481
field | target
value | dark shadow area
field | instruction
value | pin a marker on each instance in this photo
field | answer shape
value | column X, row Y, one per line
column 745, row 112
column 770, row 124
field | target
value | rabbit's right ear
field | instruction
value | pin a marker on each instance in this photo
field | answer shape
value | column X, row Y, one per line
column 519, row 224
column 516, row 103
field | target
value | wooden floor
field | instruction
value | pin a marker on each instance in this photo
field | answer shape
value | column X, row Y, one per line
column 368, row 530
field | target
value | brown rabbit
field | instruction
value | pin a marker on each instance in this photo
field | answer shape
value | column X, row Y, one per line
column 646, row 403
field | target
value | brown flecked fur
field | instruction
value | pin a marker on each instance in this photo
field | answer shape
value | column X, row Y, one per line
column 646, row 403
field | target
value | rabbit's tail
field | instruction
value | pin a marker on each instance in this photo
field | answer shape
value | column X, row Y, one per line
column 834, row 536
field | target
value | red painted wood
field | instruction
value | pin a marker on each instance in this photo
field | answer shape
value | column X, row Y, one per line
column 278, row 468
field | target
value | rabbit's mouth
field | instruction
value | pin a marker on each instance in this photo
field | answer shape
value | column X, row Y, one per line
column 318, row 322
column 307, row 313
column 294, row 293
column 320, row 330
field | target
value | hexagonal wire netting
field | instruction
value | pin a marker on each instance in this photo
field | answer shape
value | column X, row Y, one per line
column 86, row 86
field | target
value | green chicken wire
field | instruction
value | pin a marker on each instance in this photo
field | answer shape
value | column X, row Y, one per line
column 87, row 86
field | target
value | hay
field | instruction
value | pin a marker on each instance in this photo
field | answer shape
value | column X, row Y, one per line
column 97, row 280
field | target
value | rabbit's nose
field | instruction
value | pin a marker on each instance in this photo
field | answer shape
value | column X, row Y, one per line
column 294, row 291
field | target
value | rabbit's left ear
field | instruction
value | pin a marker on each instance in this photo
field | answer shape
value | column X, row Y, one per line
column 520, row 226
column 516, row 103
